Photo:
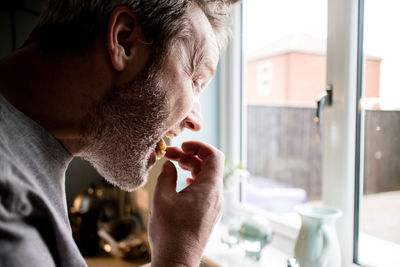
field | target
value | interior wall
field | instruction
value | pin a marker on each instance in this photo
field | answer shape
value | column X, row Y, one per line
column 17, row 19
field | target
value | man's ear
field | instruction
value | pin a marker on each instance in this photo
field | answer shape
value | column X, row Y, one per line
column 123, row 34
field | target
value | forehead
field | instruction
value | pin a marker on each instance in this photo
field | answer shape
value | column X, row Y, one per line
column 203, row 39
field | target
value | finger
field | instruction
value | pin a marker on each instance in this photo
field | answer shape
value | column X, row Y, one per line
column 203, row 151
column 213, row 159
column 200, row 149
column 190, row 163
column 186, row 161
column 166, row 182
column 173, row 153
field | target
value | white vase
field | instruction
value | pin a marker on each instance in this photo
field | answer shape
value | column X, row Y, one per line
column 317, row 244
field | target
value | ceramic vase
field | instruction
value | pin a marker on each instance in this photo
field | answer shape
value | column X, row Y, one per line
column 317, row 244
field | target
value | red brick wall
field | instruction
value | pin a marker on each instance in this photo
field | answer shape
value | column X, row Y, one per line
column 299, row 78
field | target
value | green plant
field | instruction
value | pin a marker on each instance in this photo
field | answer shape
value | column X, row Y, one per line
column 232, row 170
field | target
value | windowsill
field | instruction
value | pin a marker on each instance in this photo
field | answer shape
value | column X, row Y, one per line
column 284, row 228
column 222, row 256
column 378, row 252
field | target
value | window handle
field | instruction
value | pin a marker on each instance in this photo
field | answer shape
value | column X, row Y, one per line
column 324, row 99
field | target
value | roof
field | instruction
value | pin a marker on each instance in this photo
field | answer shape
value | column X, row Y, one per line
column 296, row 42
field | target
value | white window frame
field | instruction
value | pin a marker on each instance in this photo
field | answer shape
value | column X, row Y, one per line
column 339, row 129
column 338, row 126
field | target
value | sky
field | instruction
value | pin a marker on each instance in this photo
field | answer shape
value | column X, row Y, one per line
column 278, row 18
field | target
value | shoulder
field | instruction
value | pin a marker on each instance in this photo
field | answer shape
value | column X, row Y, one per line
column 20, row 239
column 13, row 191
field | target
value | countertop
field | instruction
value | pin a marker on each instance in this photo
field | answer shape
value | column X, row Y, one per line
column 108, row 261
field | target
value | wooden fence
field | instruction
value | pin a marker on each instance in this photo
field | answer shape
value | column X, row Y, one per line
column 382, row 151
column 282, row 145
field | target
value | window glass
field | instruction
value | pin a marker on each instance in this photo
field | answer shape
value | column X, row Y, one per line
column 284, row 52
column 379, row 238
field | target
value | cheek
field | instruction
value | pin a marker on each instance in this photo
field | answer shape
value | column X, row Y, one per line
column 181, row 106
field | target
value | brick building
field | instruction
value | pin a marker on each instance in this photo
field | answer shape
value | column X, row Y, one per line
column 292, row 71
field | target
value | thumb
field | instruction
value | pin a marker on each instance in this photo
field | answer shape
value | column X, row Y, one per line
column 166, row 181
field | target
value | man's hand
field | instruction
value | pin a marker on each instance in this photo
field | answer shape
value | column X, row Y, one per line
column 181, row 223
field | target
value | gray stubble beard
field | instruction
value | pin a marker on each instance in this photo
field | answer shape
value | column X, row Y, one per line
column 121, row 131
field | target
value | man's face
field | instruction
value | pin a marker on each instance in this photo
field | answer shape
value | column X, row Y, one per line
column 122, row 131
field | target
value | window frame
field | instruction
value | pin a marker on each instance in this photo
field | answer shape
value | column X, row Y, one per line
column 358, row 174
column 341, row 187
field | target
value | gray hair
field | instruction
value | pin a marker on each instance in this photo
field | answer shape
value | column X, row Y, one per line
column 73, row 24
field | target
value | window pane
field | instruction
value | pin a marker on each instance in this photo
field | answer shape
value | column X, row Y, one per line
column 379, row 239
column 284, row 47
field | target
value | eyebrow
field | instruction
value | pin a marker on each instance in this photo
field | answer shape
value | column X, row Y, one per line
column 199, row 58
column 209, row 65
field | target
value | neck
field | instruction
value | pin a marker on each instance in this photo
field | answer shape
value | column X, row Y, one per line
column 55, row 89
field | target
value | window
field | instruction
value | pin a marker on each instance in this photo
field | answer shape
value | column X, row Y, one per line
column 284, row 68
column 264, row 78
column 356, row 161
column 378, row 239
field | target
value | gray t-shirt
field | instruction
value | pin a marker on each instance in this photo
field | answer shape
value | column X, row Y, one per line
column 34, row 226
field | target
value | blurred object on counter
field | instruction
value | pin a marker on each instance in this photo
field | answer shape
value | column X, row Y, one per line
column 132, row 246
column 252, row 235
column 103, row 218
column 123, row 237
column 83, row 217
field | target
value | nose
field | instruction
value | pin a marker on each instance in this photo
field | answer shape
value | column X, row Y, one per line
column 194, row 121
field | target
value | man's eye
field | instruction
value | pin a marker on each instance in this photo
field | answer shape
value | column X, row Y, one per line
column 197, row 85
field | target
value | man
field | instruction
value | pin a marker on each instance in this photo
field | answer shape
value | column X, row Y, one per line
column 106, row 80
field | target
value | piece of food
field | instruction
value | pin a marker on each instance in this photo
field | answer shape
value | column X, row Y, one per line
column 162, row 146
column 160, row 149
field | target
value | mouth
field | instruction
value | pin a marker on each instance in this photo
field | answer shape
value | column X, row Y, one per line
column 161, row 146
column 159, row 150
